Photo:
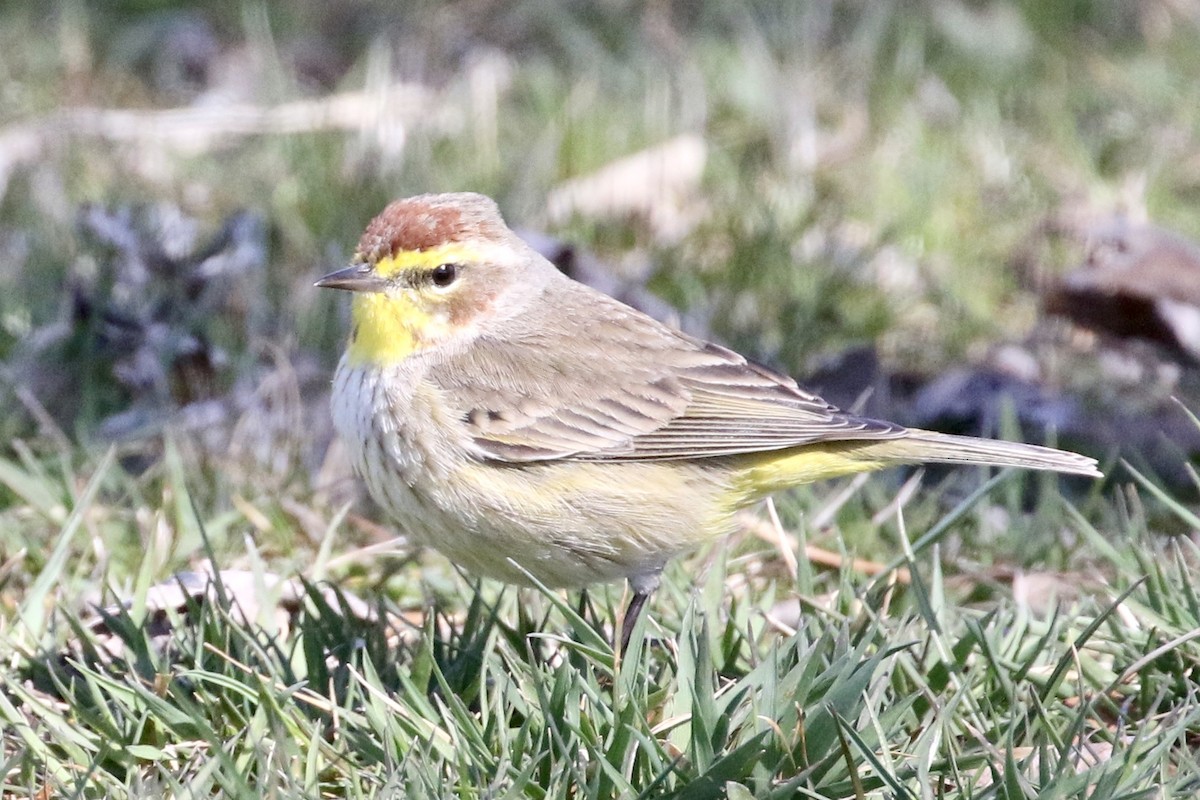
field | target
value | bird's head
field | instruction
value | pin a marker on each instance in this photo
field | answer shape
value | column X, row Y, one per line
column 427, row 271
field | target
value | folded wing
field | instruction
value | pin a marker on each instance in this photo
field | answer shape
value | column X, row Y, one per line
column 624, row 387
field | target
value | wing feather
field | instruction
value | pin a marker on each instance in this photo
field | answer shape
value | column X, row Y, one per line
column 626, row 387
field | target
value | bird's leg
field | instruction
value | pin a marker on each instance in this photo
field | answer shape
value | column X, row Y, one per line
column 640, row 596
column 582, row 608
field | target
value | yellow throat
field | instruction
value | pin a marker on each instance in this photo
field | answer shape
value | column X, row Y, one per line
column 387, row 328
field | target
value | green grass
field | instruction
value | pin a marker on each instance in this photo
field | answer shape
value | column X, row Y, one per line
column 877, row 172
column 828, row 685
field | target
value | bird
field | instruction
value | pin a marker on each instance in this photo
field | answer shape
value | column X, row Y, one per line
column 528, row 426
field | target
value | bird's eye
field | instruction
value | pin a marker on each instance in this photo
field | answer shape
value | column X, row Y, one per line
column 444, row 274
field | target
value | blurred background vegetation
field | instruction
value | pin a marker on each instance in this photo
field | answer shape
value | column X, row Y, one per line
column 806, row 177
column 879, row 196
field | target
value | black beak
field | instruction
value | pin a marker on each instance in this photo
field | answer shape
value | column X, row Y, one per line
column 358, row 278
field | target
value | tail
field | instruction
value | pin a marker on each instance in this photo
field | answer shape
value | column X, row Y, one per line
column 766, row 472
column 942, row 448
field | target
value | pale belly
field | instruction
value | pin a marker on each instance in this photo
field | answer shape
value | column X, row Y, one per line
column 565, row 523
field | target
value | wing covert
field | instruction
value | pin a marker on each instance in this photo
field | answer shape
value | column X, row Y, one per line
column 625, row 387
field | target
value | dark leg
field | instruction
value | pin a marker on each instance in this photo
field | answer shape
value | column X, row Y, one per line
column 640, row 596
column 581, row 609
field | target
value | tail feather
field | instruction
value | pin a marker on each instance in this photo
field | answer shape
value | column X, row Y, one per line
column 944, row 448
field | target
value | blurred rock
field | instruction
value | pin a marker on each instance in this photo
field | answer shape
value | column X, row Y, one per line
column 975, row 401
column 855, row 381
column 1137, row 280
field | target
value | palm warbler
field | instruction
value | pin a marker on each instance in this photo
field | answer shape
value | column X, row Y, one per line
column 523, row 423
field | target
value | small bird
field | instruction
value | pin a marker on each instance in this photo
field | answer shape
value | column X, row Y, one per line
column 524, row 424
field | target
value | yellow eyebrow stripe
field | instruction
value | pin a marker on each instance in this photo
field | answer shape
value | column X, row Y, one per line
column 407, row 260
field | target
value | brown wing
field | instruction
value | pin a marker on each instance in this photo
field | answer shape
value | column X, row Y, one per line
column 623, row 386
